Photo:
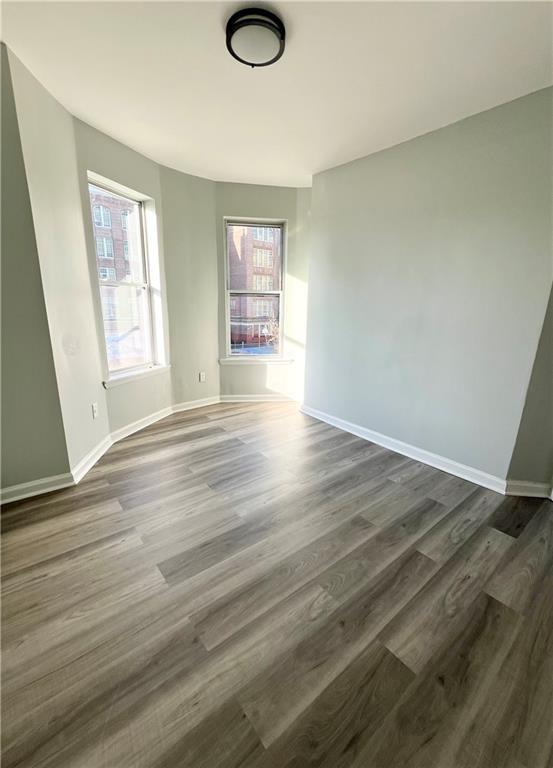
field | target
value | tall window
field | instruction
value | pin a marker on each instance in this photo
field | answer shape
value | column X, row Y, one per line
column 125, row 291
column 254, row 288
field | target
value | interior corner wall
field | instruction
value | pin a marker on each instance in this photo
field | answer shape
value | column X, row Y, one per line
column 430, row 271
column 532, row 459
column 32, row 434
column 48, row 145
column 192, row 284
column 253, row 201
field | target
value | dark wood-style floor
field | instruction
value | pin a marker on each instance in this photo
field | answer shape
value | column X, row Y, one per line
column 244, row 586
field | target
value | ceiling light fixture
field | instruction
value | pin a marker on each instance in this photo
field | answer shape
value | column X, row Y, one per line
column 255, row 37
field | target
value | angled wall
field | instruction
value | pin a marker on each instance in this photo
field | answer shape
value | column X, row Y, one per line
column 532, row 460
column 33, row 439
column 192, row 296
column 430, row 272
column 48, row 144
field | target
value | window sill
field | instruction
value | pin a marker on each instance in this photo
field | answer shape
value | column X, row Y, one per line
column 117, row 379
column 254, row 360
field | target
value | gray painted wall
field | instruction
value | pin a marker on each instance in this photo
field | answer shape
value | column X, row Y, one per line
column 430, row 272
column 532, row 459
column 292, row 206
column 33, row 440
column 48, row 144
column 185, row 208
column 191, row 261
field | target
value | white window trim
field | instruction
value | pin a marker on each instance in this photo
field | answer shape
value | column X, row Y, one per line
column 115, row 379
column 259, row 359
column 158, row 316
column 255, row 360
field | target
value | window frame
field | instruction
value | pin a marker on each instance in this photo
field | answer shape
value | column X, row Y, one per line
column 281, row 224
column 157, row 355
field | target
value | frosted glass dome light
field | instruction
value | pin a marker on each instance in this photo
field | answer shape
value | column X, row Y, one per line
column 255, row 37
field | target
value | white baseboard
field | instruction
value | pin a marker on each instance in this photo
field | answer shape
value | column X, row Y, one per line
column 56, row 482
column 88, row 461
column 36, row 487
column 471, row 474
column 255, row 399
column 525, row 488
column 135, row 426
column 190, row 404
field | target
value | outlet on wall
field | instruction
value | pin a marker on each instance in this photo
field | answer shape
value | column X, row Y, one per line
column 202, row 377
column 94, row 410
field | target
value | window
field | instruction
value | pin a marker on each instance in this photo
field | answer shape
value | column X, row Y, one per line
column 124, row 219
column 107, row 273
column 262, row 307
column 109, row 308
column 104, row 247
column 126, row 294
column 254, row 300
column 263, row 233
column 263, row 282
column 263, row 257
column 102, row 216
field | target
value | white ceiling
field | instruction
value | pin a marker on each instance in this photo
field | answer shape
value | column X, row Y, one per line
column 355, row 77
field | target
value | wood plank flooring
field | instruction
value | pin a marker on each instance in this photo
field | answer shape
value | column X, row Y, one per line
column 242, row 586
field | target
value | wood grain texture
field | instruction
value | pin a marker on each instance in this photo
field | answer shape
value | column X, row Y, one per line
column 464, row 519
column 436, row 613
column 532, row 557
column 242, row 586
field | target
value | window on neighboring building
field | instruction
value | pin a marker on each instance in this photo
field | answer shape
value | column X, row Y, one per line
column 106, row 273
column 102, row 216
column 254, row 300
column 104, row 247
column 263, row 233
column 109, row 308
column 263, row 257
column 262, row 307
column 263, row 282
column 132, row 334
column 124, row 219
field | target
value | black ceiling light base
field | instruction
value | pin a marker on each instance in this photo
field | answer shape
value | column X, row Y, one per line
column 259, row 25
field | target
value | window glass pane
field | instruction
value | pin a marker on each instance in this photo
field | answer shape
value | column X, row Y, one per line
column 118, row 234
column 126, row 326
column 254, row 258
column 254, row 324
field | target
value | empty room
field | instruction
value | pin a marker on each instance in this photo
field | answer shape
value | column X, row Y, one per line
column 276, row 384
